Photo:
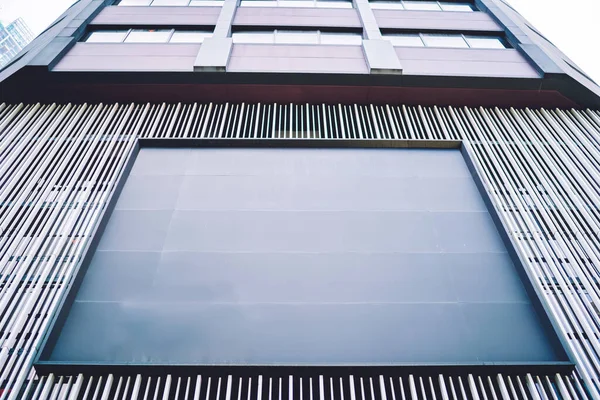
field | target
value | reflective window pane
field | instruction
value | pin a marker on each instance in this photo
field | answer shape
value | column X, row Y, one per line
column 422, row 5
column 387, row 5
column 170, row 2
column 456, row 7
column 292, row 37
column 189, row 36
column 341, row 38
column 206, row 3
column 445, row 41
column 259, row 3
column 253, row 37
column 334, row 4
column 148, row 36
column 296, row 3
column 485, row 43
column 106, row 37
column 134, row 2
column 405, row 40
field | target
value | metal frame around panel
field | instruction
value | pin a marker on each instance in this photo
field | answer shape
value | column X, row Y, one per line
column 44, row 365
column 60, row 162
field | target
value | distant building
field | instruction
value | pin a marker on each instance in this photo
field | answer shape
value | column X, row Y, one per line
column 13, row 38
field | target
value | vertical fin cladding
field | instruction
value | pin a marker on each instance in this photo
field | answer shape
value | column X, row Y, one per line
column 61, row 161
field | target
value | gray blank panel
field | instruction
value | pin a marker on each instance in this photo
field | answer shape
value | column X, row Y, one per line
column 301, row 257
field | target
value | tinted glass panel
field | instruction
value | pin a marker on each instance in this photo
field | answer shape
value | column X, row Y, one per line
column 301, row 257
column 291, row 37
column 258, row 3
column 387, row 5
column 148, row 36
column 456, row 7
column 189, row 36
column 134, row 2
column 206, row 3
column 334, row 4
column 405, row 40
column 170, row 2
column 253, row 37
column 444, row 41
column 485, row 43
column 296, row 3
column 341, row 39
column 106, row 37
column 422, row 5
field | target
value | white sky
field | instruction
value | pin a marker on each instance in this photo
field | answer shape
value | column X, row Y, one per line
column 572, row 25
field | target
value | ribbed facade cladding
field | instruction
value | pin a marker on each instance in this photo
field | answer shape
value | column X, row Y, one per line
column 60, row 163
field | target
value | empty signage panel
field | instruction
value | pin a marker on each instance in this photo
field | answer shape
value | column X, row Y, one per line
column 301, row 257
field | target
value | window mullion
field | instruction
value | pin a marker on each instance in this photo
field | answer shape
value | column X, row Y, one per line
column 466, row 41
column 171, row 34
column 126, row 35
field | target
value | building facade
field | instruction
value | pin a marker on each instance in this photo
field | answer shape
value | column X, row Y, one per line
column 206, row 199
column 13, row 38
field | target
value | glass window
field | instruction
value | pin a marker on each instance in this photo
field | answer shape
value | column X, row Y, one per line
column 148, row 36
column 387, row 5
column 259, row 3
column 405, row 40
column 422, row 5
column 189, row 36
column 253, row 37
column 292, row 37
column 170, row 2
column 445, row 41
column 485, row 43
column 134, row 2
column 206, row 3
column 341, row 38
column 456, row 7
column 106, row 37
column 334, row 4
column 296, row 3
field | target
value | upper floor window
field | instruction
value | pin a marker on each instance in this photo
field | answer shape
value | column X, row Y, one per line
column 176, row 3
column 147, row 36
column 422, row 5
column 450, row 41
column 297, row 3
column 298, row 37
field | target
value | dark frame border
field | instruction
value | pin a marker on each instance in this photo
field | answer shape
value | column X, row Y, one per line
column 44, row 366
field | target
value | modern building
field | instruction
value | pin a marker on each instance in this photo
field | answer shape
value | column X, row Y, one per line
column 289, row 199
column 13, row 38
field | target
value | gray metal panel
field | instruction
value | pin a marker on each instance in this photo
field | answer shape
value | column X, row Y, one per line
column 436, row 20
column 371, row 30
column 236, row 261
column 464, row 62
column 214, row 54
column 129, row 57
column 381, row 57
column 171, row 16
column 317, row 17
column 297, row 58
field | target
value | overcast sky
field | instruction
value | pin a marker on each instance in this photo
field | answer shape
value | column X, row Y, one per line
column 572, row 25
